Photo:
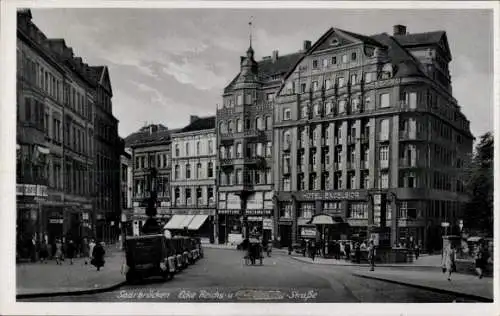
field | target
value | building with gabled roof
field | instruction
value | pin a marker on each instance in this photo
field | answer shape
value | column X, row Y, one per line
column 367, row 132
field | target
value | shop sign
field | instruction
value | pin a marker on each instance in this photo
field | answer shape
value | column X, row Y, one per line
column 229, row 212
column 258, row 212
column 254, row 218
column 308, row 231
column 267, row 223
column 332, row 195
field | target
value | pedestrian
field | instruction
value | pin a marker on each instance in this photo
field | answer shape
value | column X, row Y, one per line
column 85, row 250
column 304, row 248
column 58, row 254
column 482, row 256
column 358, row 253
column 70, row 250
column 98, row 256
column 371, row 255
column 347, row 250
column 448, row 263
column 290, row 248
column 313, row 250
column 91, row 248
column 44, row 252
column 417, row 250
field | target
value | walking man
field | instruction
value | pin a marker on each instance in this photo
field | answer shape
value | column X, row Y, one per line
column 371, row 255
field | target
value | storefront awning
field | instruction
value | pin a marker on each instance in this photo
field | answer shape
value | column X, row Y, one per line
column 186, row 221
column 197, row 221
column 175, row 222
column 324, row 219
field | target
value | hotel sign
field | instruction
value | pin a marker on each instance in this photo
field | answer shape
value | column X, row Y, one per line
column 332, row 195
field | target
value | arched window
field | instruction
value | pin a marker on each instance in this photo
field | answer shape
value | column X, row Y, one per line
column 188, row 171
column 177, row 196
column 222, row 128
column 199, row 171
column 176, row 172
column 210, row 171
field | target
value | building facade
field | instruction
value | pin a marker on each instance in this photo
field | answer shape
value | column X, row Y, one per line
column 193, row 188
column 55, row 142
column 152, row 163
column 244, row 142
column 367, row 131
column 126, row 191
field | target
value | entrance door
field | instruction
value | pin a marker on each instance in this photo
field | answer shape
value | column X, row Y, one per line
column 285, row 235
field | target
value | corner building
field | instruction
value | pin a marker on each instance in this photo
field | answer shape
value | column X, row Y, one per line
column 358, row 116
column 244, row 142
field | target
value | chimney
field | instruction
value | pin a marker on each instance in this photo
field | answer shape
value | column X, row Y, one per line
column 399, row 29
column 306, row 45
column 193, row 118
column 275, row 56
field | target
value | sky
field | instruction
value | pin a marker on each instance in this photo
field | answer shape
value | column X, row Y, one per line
column 168, row 64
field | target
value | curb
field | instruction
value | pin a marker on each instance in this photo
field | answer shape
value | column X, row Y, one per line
column 428, row 288
column 363, row 264
column 72, row 293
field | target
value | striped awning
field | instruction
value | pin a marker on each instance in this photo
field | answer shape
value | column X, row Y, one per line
column 175, row 222
column 197, row 221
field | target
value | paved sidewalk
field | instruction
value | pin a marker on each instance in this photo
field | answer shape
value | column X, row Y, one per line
column 429, row 261
column 460, row 284
column 49, row 278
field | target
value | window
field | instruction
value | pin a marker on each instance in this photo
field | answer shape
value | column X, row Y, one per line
column 341, row 81
column 198, row 148
column 268, row 149
column 230, row 127
column 187, row 149
column 189, row 200
column 247, row 124
column 328, row 107
column 287, row 184
column 286, row 210
column 306, row 210
column 248, row 98
column 303, row 88
column 222, row 152
column 334, row 60
column 366, row 181
column 384, row 156
column 239, row 150
column 176, row 172
column 270, row 97
column 367, row 104
column 304, row 112
column 269, row 123
column 222, row 128
column 384, row 130
column 316, row 109
column 239, row 126
column 239, row 100
column 384, row 100
column 354, row 79
column 287, row 114
column 353, row 56
column 268, row 176
column 27, row 109
column 239, row 176
column 260, row 124
column 384, row 180
column 344, row 59
column 352, row 181
column 355, row 105
column 188, row 171
column 210, row 147
column 210, row 171
column 325, row 63
column 231, row 152
column 315, row 64
column 199, row 196
column 328, row 84
column 358, row 210
column 369, row 77
column 315, row 85
column 342, row 106
column 199, row 171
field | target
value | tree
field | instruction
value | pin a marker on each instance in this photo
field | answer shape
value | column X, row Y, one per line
column 478, row 215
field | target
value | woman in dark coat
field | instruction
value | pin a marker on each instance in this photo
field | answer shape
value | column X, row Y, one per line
column 98, row 256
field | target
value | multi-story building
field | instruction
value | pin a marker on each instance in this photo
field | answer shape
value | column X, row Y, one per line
column 193, row 178
column 55, row 99
column 361, row 119
column 151, row 158
column 244, row 142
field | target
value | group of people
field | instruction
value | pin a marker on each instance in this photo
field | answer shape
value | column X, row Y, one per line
column 65, row 248
column 449, row 257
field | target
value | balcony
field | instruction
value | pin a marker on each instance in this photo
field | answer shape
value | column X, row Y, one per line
column 225, row 162
column 407, row 135
column 408, row 163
